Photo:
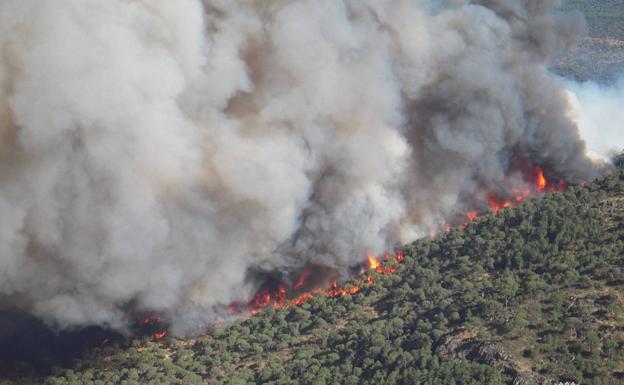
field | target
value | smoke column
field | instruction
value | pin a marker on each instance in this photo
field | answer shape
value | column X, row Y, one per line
column 154, row 154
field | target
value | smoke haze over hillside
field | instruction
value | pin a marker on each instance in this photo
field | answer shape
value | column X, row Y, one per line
column 599, row 115
column 155, row 153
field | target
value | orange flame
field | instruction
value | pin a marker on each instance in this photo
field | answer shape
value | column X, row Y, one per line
column 337, row 291
column 303, row 298
column 373, row 263
column 400, row 256
column 541, row 181
column 534, row 181
column 160, row 335
column 282, row 298
column 301, row 281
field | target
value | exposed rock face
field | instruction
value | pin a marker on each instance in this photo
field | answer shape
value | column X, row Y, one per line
column 466, row 345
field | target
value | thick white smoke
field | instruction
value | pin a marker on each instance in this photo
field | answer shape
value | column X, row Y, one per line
column 599, row 113
column 154, row 152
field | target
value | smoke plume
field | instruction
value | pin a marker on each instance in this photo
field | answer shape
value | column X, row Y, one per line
column 155, row 154
column 597, row 109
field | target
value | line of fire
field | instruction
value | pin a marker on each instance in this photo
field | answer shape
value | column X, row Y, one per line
column 309, row 283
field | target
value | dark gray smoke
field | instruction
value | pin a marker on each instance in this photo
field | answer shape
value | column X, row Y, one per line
column 153, row 152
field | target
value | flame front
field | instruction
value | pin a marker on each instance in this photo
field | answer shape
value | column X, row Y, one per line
column 372, row 263
column 541, row 181
column 282, row 296
column 160, row 335
column 302, row 279
column 534, row 184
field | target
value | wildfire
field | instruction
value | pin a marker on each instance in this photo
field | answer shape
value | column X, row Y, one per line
column 301, row 281
column 303, row 298
column 497, row 204
column 303, row 290
column 266, row 298
column 336, row 291
column 372, row 263
column 160, row 335
column 282, row 296
column 536, row 184
column 152, row 324
column 156, row 319
column 541, row 181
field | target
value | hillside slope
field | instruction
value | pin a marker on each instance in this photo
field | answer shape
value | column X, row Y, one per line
column 601, row 55
column 532, row 295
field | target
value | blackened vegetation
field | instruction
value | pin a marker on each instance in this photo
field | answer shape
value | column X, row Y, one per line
column 27, row 345
column 532, row 295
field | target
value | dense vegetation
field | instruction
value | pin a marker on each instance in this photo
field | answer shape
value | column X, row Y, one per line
column 531, row 295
